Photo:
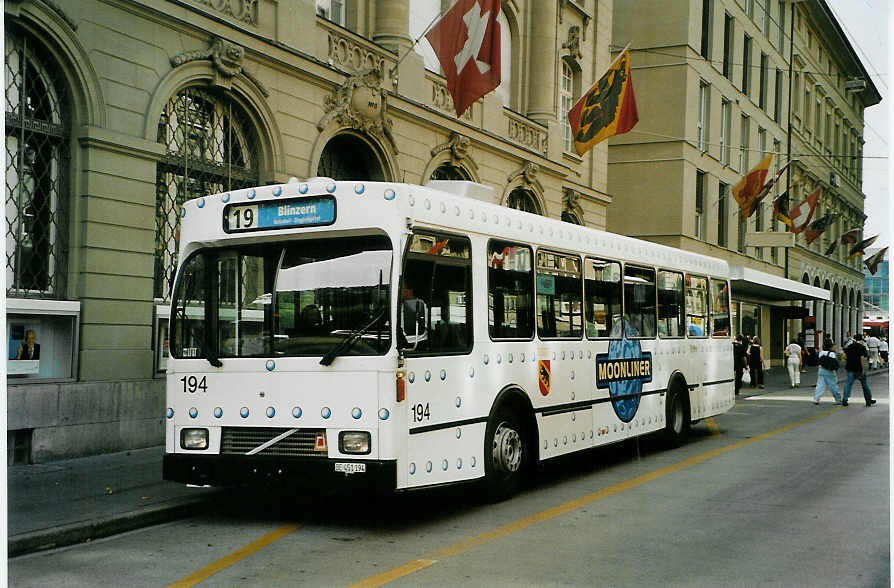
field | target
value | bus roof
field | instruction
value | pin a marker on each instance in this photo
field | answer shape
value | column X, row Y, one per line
column 444, row 205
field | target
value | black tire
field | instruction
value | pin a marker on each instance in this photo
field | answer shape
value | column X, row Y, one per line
column 507, row 454
column 676, row 412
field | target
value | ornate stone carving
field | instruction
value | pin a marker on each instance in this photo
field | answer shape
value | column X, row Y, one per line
column 527, row 173
column 573, row 42
column 360, row 103
column 458, row 145
column 242, row 10
column 571, row 202
column 351, row 55
column 227, row 59
column 528, row 135
column 441, row 99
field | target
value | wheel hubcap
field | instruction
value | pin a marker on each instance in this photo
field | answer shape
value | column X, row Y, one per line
column 507, row 449
column 678, row 415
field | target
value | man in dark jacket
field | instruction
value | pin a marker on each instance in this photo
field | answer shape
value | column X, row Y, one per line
column 740, row 358
column 856, row 370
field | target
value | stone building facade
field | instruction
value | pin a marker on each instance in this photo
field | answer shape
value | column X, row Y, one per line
column 119, row 110
column 712, row 81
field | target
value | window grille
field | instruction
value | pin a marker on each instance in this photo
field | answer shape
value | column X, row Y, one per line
column 210, row 147
column 521, row 199
column 37, row 159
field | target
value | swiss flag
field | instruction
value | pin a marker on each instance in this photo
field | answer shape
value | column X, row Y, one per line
column 467, row 43
column 803, row 213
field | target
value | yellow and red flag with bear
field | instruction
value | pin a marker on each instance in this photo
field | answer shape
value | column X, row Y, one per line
column 607, row 109
column 748, row 191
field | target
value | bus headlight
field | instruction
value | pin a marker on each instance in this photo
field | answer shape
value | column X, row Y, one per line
column 194, row 439
column 356, row 442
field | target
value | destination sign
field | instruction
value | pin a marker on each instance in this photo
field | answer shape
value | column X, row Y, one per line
column 279, row 214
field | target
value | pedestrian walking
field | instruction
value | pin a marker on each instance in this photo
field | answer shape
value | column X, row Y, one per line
column 883, row 351
column 855, row 365
column 827, row 374
column 756, row 363
column 793, row 363
column 873, row 345
column 740, row 360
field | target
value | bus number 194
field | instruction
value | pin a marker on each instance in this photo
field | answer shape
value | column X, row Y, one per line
column 193, row 384
column 421, row 413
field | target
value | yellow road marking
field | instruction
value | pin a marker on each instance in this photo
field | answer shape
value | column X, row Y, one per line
column 556, row 511
column 211, row 569
column 712, row 426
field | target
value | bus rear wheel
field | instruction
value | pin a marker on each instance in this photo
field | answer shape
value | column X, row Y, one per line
column 506, row 454
column 676, row 427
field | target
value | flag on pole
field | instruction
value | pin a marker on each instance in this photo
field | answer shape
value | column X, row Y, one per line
column 860, row 248
column 802, row 214
column 872, row 262
column 607, row 109
column 819, row 226
column 466, row 41
column 850, row 237
column 748, row 190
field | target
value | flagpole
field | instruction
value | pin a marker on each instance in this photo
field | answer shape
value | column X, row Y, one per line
column 392, row 71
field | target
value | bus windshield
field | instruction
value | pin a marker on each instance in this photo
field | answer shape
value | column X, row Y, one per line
column 299, row 298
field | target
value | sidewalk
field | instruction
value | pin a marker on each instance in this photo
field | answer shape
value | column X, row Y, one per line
column 75, row 500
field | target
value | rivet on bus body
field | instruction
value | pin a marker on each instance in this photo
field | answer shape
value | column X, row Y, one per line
column 302, row 189
column 277, row 191
column 218, row 412
column 428, row 375
column 509, row 357
column 226, row 198
column 243, row 412
column 580, row 355
column 444, row 465
column 251, row 195
column 459, row 463
column 411, row 377
column 330, row 188
column 384, row 414
column 428, row 467
column 427, row 204
column 471, row 214
column 554, row 355
column 359, row 189
column 523, row 357
column 443, row 208
column 574, row 438
column 563, row 355
column 573, row 416
column 270, row 412
column 170, row 412
column 326, row 412
column 486, row 359
column 484, row 217
column 271, row 365
column 496, row 220
column 555, row 442
column 412, row 200
column 182, row 212
column 499, row 358
column 356, row 413
column 572, row 374
column 545, row 444
column 389, row 194
column 566, row 440
column 459, row 402
column 412, row 468
column 193, row 412
column 296, row 412
column 474, row 461
column 456, row 210
column 459, row 432
column 443, row 375
column 471, row 372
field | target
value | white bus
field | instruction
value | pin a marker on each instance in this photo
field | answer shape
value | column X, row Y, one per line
column 407, row 336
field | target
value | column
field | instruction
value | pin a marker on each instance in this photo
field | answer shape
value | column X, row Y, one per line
column 836, row 320
column 392, row 25
column 541, row 70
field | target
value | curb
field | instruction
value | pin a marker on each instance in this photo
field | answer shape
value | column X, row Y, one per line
column 81, row 532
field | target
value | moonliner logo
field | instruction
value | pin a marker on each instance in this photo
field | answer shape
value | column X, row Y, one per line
column 623, row 370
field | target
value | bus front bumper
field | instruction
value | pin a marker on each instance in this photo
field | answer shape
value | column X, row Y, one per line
column 237, row 470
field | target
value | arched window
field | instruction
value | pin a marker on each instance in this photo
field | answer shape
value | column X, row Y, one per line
column 570, row 217
column 566, row 97
column 348, row 157
column 448, row 171
column 210, row 147
column 37, row 135
column 522, row 199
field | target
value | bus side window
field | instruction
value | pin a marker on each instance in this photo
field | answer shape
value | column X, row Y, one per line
column 602, row 295
column 436, row 292
column 719, row 308
column 639, row 300
column 696, row 306
column 670, row 304
column 559, row 312
column 510, row 295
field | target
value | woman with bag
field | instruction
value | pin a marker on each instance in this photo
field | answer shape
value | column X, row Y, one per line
column 793, row 363
column 827, row 376
column 756, row 363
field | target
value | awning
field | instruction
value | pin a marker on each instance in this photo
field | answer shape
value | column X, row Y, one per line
column 751, row 283
column 880, row 324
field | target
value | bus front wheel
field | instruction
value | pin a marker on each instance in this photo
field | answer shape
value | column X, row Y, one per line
column 506, row 456
column 676, row 428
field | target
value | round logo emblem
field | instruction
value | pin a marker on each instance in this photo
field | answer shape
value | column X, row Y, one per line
column 623, row 370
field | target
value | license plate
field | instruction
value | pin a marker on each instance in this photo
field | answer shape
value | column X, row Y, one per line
column 351, row 468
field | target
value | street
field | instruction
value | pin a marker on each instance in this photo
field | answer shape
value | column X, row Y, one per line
column 778, row 491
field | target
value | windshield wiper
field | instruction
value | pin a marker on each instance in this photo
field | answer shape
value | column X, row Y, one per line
column 348, row 342
column 210, row 357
